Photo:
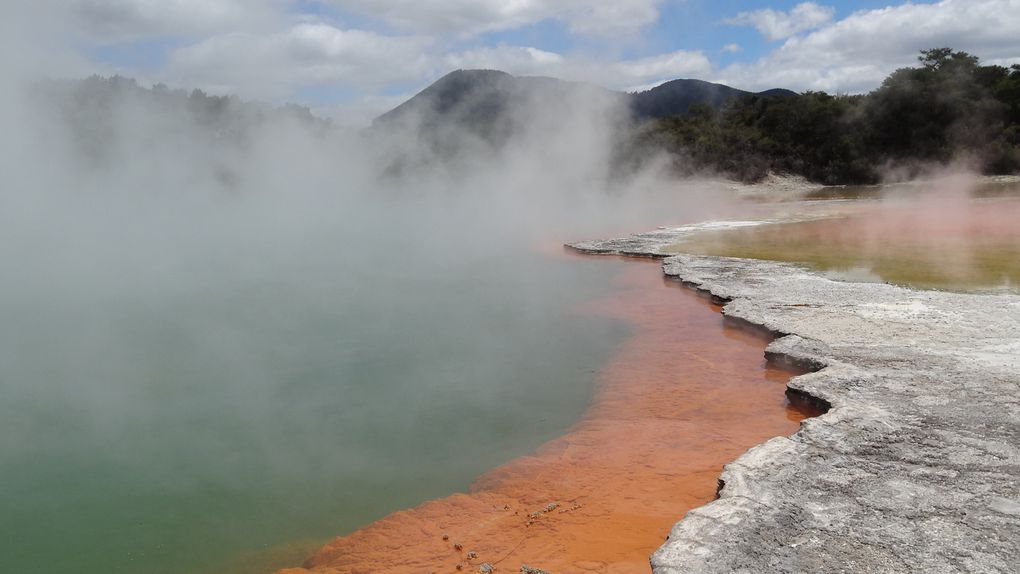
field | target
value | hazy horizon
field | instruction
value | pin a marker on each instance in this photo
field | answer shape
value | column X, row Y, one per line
column 351, row 60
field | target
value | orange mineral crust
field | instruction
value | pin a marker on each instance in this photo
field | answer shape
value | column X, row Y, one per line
column 684, row 395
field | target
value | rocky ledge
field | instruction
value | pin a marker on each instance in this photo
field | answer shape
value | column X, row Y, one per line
column 915, row 467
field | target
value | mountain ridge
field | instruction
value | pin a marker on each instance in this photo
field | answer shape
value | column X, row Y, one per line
column 481, row 93
column 677, row 97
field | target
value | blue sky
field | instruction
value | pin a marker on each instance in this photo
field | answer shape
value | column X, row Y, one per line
column 354, row 58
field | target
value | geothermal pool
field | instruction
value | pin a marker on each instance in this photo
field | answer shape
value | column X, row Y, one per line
column 681, row 397
column 236, row 423
column 234, row 409
column 930, row 241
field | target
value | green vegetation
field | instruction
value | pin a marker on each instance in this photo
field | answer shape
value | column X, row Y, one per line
column 102, row 112
column 950, row 108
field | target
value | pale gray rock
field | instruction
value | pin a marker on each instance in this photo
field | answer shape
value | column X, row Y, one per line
column 916, row 465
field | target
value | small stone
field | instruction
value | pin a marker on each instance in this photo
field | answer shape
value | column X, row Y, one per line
column 472, row 555
column 525, row 569
column 446, row 537
column 486, row 568
column 458, row 547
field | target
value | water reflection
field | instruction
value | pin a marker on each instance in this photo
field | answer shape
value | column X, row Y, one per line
column 928, row 239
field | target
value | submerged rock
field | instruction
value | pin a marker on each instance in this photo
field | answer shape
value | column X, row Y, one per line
column 916, row 465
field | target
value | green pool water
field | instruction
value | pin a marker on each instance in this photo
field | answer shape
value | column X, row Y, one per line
column 231, row 410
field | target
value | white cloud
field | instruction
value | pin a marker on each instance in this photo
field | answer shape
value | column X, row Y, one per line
column 517, row 60
column 33, row 38
column 776, row 25
column 732, row 48
column 855, row 54
column 274, row 58
column 619, row 74
column 607, row 18
column 472, row 17
column 112, row 21
column 275, row 65
column 661, row 68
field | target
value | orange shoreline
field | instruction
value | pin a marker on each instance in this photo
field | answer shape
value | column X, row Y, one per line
column 683, row 396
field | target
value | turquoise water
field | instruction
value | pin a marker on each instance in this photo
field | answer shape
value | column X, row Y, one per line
column 230, row 409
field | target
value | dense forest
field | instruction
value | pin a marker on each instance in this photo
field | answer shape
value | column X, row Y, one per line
column 950, row 108
column 105, row 116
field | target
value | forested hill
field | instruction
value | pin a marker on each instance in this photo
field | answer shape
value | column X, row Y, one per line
column 677, row 97
column 479, row 96
column 105, row 115
column 948, row 108
column 468, row 110
column 489, row 104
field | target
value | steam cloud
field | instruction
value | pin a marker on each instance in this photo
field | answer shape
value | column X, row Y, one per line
column 178, row 268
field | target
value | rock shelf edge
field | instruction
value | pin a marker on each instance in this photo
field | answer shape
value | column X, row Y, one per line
column 915, row 466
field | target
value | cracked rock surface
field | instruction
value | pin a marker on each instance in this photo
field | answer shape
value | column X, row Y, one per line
column 916, row 465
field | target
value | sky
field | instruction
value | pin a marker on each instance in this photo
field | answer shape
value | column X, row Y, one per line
column 352, row 59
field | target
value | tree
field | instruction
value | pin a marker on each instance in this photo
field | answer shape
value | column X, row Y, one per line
column 949, row 107
column 945, row 59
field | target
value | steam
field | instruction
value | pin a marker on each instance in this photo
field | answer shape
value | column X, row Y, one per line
column 953, row 231
column 178, row 285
